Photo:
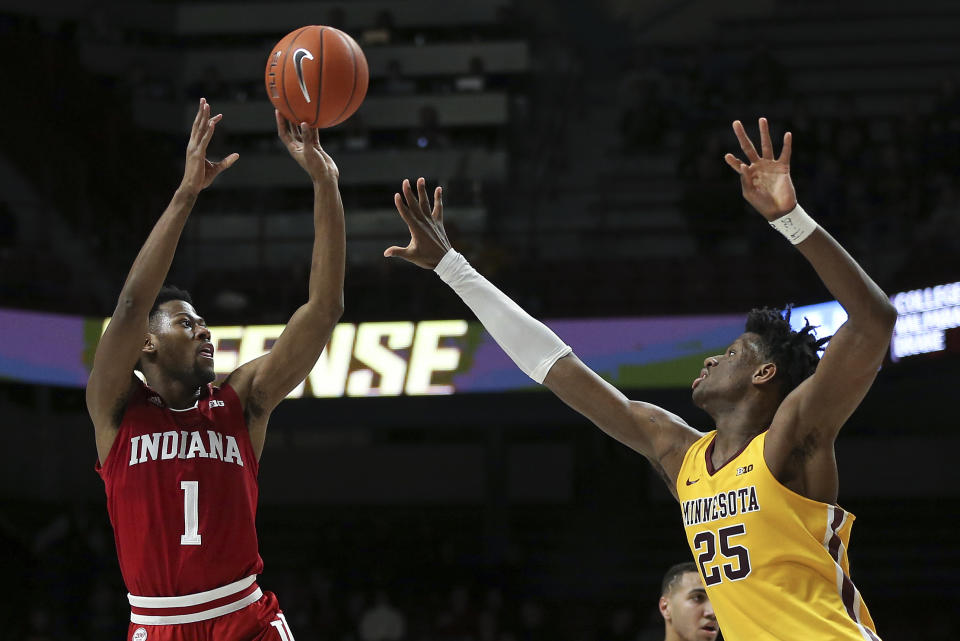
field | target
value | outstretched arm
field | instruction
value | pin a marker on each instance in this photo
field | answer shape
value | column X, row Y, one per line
column 262, row 383
column 818, row 408
column 117, row 353
column 660, row 436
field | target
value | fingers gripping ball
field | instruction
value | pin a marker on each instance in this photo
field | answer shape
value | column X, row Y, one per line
column 316, row 75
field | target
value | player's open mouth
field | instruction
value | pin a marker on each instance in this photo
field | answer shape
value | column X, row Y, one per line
column 699, row 379
column 206, row 351
column 710, row 627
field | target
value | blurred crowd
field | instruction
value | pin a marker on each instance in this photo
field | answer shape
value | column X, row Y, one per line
column 884, row 183
column 880, row 180
column 79, row 156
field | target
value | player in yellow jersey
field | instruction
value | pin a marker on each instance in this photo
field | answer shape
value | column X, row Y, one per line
column 685, row 607
column 759, row 493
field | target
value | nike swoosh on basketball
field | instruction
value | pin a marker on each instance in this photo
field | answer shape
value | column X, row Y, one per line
column 298, row 57
column 689, row 482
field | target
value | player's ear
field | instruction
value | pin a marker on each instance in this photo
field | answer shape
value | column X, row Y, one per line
column 764, row 373
column 664, row 607
column 149, row 344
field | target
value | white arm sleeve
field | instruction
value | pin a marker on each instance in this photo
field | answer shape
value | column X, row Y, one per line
column 530, row 343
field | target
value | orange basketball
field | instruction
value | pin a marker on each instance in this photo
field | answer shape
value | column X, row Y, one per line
column 317, row 75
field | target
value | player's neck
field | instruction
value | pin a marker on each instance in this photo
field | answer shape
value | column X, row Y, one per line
column 176, row 394
column 671, row 635
column 738, row 426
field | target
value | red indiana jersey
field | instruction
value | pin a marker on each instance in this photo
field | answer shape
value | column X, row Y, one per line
column 182, row 494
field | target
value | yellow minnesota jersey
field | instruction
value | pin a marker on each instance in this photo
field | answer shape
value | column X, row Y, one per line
column 774, row 562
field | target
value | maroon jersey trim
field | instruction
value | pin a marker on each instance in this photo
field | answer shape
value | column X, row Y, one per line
column 711, row 470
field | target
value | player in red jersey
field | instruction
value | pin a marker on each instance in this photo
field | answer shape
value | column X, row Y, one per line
column 178, row 456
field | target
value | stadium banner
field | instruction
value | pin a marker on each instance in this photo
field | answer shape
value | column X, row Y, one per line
column 46, row 349
column 434, row 357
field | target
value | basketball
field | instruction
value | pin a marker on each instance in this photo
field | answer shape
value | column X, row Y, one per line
column 317, row 75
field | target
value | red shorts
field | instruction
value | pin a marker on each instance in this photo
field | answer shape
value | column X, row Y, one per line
column 260, row 621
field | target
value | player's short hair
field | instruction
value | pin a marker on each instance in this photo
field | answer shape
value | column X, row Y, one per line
column 168, row 293
column 795, row 353
column 674, row 575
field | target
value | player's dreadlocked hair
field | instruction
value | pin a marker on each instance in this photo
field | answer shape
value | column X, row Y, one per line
column 796, row 354
column 168, row 293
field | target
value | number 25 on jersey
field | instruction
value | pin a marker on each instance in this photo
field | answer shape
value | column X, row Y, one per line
column 737, row 558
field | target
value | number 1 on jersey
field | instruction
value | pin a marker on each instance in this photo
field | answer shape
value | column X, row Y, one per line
column 191, row 513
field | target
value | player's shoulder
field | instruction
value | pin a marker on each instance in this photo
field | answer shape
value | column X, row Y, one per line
column 698, row 442
column 239, row 380
column 672, row 425
column 140, row 393
column 672, row 438
column 223, row 398
column 134, row 407
column 791, row 428
column 225, row 391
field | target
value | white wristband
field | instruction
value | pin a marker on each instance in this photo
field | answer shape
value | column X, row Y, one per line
column 796, row 225
column 527, row 341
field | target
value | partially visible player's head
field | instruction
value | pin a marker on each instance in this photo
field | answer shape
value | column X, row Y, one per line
column 795, row 353
column 177, row 344
column 684, row 606
column 769, row 355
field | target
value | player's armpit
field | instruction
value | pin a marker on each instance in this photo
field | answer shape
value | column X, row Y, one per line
column 240, row 379
column 821, row 404
column 670, row 436
column 800, row 441
column 294, row 354
column 106, row 414
column 111, row 377
column 818, row 408
column 262, row 383
column 661, row 436
column 255, row 413
column 265, row 381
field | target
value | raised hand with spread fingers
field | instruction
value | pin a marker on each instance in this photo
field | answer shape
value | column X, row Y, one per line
column 428, row 239
column 765, row 182
column 199, row 171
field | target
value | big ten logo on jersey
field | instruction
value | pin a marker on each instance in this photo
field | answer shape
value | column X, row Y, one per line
column 743, row 470
column 140, row 634
column 217, row 403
